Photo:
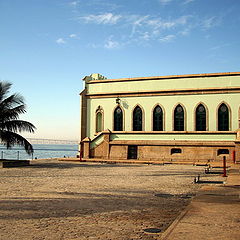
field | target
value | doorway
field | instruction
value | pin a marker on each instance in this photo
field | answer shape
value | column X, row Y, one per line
column 132, row 152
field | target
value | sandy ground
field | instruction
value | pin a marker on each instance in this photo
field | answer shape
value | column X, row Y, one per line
column 65, row 200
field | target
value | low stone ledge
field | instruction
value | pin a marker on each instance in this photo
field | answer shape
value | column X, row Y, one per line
column 14, row 163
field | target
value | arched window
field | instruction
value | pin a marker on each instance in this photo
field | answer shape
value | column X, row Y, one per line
column 118, row 119
column 137, row 119
column 99, row 119
column 223, row 118
column 201, row 118
column 157, row 119
column 179, row 118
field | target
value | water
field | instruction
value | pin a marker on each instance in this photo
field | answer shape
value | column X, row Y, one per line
column 40, row 151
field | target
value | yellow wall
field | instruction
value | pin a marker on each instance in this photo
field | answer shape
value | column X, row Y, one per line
column 163, row 84
column 168, row 103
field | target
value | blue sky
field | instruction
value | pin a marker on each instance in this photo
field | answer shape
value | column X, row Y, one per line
column 48, row 46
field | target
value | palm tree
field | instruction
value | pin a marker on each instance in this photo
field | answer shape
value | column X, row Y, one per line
column 10, row 108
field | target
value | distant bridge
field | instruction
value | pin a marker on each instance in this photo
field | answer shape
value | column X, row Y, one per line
column 51, row 141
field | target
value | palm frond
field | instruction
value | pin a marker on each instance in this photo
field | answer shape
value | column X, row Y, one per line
column 18, row 126
column 11, row 101
column 11, row 114
column 9, row 139
column 10, row 109
column 4, row 89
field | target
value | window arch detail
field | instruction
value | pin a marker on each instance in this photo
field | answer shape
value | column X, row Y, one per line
column 179, row 118
column 157, row 118
column 223, row 117
column 201, row 118
column 99, row 119
column 118, row 119
column 137, row 119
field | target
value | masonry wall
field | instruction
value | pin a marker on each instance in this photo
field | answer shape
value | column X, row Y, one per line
column 198, row 152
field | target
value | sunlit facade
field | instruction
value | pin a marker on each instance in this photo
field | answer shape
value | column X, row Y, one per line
column 166, row 118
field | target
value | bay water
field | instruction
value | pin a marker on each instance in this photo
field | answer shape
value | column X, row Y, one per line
column 40, row 151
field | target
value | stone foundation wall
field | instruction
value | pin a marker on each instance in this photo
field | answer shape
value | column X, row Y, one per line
column 168, row 153
column 159, row 150
column 188, row 153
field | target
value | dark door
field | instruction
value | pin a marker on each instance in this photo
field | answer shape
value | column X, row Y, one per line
column 132, row 152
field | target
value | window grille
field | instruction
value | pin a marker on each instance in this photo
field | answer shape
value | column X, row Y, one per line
column 157, row 119
column 179, row 118
column 137, row 119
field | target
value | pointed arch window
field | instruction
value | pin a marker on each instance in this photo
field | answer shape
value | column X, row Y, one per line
column 223, row 118
column 118, row 119
column 99, row 119
column 137, row 119
column 157, row 119
column 201, row 118
column 179, row 118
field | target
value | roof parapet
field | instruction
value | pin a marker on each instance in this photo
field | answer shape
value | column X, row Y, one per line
column 94, row 76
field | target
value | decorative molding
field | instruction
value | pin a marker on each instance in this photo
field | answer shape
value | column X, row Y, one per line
column 175, row 132
column 202, row 75
column 168, row 92
column 174, row 143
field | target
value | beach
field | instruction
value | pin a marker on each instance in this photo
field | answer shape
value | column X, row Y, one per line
column 73, row 200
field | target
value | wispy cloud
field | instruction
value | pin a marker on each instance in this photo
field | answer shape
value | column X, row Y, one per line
column 185, row 32
column 74, row 3
column 143, row 29
column 73, row 35
column 107, row 18
column 168, row 38
column 188, row 1
column 217, row 47
column 60, row 41
column 111, row 44
column 210, row 22
column 167, row 24
column 164, row 2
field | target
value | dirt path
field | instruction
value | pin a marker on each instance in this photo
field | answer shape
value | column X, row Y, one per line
column 58, row 200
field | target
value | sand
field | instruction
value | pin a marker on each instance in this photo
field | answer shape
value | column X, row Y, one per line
column 66, row 200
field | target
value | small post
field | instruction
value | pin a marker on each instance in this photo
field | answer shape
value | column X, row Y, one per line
column 234, row 156
column 224, row 167
column 17, row 155
column 81, row 155
column 2, row 154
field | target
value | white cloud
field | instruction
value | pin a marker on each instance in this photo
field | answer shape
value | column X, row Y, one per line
column 158, row 23
column 209, row 23
column 217, row 47
column 107, row 18
column 93, row 45
column 73, row 35
column 111, row 44
column 74, row 3
column 185, row 32
column 188, row 1
column 60, row 41
column 165, row 1
column 167, row 38
column 141, row 29
column 146, row 36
